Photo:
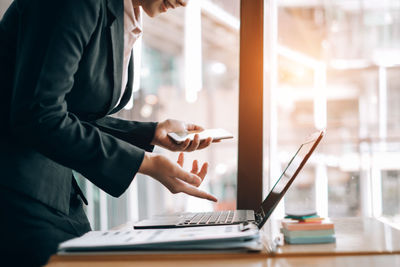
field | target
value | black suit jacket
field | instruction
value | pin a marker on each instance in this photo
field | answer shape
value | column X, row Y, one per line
column 60, row 76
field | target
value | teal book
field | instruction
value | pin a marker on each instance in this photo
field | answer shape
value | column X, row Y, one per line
column 307, row 233
column 295, row 217
column 299, row 215
column 310, row 240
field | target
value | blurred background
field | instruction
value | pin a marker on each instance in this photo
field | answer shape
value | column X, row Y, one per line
column 337, row 67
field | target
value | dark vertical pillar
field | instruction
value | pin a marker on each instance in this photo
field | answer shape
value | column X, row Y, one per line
column 250, row 163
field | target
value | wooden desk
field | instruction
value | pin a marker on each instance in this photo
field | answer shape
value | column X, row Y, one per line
column 365, row 241
column 354, row 236
column 319, row 261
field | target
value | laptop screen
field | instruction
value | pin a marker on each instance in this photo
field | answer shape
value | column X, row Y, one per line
column 287, row 177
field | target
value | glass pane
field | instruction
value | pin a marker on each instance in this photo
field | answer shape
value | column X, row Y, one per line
column 301, row 195
column 344, row 193
column 338, row 66
column 391, row 194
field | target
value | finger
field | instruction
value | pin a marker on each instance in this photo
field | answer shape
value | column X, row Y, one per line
column 194, row 144
column 193, row 127
column 205, row 143
column 181, row 159
column 193, row 191
column 182, row 2
column 203, row 171
column 195, row 167
column 182, row 146
column 216, row 140
column 173, row 146
column 188, row 177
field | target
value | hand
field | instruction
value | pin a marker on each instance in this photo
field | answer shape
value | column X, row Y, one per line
column 195, row 167
column 174, row 177
column 162, row 139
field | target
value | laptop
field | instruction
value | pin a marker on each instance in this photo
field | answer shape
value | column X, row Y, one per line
column 259, row 216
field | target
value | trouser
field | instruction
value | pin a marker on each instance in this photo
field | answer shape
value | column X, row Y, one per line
column 31, row 231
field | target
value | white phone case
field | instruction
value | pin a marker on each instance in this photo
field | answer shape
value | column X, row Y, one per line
column 216, row 134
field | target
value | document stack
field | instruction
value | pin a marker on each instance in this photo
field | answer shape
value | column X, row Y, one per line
column 231, row 238
column 307, row 229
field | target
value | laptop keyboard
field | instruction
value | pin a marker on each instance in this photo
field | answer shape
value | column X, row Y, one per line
column 204, row 218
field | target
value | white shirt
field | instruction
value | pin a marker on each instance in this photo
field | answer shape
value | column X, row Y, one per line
column 132, row 32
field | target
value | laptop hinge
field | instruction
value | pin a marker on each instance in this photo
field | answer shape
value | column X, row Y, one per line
column 259, row 218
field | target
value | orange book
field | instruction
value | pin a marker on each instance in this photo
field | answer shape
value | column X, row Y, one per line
column 317, row 219
column 294, row 226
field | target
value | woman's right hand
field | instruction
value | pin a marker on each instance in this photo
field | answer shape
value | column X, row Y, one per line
column 174, row 177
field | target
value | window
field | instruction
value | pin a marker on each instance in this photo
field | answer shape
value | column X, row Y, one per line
column 337, row 66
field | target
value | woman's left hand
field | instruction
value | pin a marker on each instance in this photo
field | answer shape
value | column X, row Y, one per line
column 162, row 139
column 195, row 167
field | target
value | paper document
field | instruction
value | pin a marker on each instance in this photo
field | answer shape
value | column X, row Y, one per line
column 191, row 238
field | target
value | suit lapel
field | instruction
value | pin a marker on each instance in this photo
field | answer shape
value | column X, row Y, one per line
column 129, row 86
column 116, row 7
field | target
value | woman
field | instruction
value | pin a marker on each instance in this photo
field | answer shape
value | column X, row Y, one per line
column 65, row 66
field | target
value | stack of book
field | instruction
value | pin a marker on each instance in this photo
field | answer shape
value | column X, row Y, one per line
column 307, row 229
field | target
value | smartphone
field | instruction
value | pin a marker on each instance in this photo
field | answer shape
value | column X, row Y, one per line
column 216, row 134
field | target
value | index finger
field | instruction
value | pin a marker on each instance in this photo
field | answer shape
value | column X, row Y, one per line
column 195, row 192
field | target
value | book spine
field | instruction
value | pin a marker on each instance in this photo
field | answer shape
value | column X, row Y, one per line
column 307, row 233
column 306, row 226
column 311, row 240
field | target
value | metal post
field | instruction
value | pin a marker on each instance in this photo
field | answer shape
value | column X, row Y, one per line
column 271, row 162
